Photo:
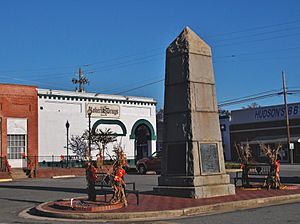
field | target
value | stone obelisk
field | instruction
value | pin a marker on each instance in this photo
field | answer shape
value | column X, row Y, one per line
column 193, row 161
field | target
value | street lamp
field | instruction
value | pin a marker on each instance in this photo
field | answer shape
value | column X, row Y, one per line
column 67, row 127
column 89, row 112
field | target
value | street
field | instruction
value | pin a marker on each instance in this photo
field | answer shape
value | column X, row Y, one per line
column 22, row 194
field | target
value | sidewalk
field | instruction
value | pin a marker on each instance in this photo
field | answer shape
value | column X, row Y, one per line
column 153, row 207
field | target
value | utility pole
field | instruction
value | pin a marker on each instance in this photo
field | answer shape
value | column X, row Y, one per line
column 287, row 119
column 81, row 81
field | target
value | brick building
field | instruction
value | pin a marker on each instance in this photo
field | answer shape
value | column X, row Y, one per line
column 33, row 122
column 19, row 123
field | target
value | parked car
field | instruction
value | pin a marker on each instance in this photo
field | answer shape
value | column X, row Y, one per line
column 151, row 163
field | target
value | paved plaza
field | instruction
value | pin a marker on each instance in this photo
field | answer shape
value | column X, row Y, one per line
column 22, row 194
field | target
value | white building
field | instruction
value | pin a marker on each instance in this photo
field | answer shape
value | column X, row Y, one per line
column 132, row 118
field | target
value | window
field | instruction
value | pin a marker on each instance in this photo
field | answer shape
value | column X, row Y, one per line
column 16, row 145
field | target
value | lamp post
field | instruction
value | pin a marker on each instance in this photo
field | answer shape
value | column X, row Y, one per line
column 89, row 112
column 67, row 127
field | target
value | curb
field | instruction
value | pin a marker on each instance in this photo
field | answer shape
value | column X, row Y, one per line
column 63, row 176
column 241, row 205
column 161, row 215
column 5, row 180
column 233, row 170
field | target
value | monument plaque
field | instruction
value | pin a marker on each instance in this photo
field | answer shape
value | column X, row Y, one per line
column 209, row 158
column 193, row 162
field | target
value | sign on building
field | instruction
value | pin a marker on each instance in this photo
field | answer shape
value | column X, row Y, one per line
column 263, row 114
column 103, row 110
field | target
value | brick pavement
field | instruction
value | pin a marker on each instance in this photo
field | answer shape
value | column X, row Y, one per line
column 150, row 202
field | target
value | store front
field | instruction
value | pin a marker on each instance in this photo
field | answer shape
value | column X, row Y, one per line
column 131, row 119
column 267, row 125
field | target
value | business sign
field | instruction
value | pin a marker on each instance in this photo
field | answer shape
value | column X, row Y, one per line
column 276, row 113
column 262, row 114
column 103, row 110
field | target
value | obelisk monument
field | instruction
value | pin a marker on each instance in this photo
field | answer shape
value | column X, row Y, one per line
column 193, row 161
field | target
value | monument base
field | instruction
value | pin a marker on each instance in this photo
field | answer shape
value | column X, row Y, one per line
column 195, row 186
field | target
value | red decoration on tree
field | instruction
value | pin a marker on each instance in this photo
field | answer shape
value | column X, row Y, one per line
column 118, row 184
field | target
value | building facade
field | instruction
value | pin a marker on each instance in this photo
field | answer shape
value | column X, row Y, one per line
column 19, row 123
column 133, row 119
column 225, row 134
column 33, row 123
column 266, row 125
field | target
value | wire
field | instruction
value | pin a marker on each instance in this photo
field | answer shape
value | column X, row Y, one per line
column 255, row 28
column 27, row 80
column 129, row 85
column 250, row 99
column 160, row 48
column 256, row 53
column 257, row 96
column 139, row 87
column 258, row 40
column 249, row 96
column 259, row 34
column 123, row 66
column 127, row 63
column 125, row 56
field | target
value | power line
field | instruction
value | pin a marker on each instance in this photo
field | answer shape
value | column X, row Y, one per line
column 125, row 64
column 258, row 96
column 255, row 28
column 256, row 53
column 125, row 56
column 258, row 34
column 139, row 87
column 258, row 40
column 142, row 53
column 138, row 60
column 30, row 81
column 250, row 99
column 249, row 96
column 129, row 85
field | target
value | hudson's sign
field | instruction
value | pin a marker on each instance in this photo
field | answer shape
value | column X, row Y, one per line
column 277, row 112
column 262, row 114
column 100, row 110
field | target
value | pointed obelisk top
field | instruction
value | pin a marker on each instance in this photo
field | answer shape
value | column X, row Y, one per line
column 189, row 42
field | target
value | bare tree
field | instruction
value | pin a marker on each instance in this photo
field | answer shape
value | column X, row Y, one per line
column 105, row 137
column 244, row 153
column 100, row 140
column 272, row 156
column 79, row 146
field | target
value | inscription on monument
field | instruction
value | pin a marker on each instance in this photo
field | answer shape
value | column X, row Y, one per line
column 209, row 158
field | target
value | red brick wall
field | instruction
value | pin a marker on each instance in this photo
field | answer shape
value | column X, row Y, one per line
column 19, row 101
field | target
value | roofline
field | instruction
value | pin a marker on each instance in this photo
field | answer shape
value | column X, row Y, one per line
column 264, row 107
column 93, row 96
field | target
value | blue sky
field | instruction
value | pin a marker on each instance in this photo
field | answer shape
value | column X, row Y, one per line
column 121, row 44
